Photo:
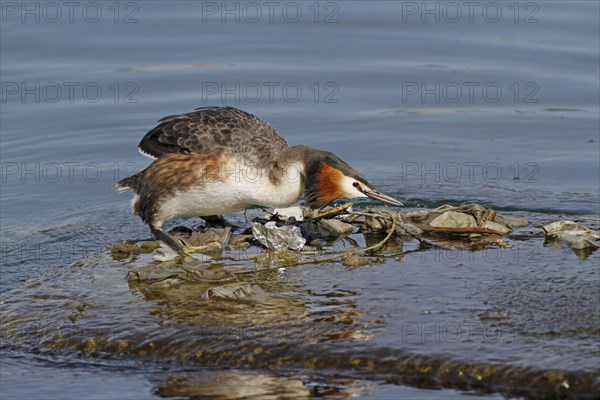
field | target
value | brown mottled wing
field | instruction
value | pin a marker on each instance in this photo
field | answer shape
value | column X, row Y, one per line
column 212, row 130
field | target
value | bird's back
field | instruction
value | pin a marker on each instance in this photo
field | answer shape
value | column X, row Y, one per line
column 215, row 130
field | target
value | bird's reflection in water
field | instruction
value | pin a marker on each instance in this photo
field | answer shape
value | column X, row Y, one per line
column 235, row 384
column 258, row 306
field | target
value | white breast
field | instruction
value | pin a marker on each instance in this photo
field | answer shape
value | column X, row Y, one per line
column 241, row 187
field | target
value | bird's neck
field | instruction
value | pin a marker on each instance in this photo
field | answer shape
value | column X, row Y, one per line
column 290, row 165
column 318, row 178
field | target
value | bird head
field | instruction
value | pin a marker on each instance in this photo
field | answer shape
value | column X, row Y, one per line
column 329, row 178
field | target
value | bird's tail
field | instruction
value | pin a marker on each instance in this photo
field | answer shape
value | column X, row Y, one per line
column 131, row 182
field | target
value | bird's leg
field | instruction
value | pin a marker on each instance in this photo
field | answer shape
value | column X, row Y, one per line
column 179, row 246
column 217, row 221
column 168, row 239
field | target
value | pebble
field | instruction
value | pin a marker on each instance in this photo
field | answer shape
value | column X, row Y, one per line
column 453, row 219
column 354, row 260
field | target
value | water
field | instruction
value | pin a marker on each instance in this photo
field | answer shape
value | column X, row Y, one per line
column 502, row 113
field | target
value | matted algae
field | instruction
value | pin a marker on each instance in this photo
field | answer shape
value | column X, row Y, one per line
column 432, row 311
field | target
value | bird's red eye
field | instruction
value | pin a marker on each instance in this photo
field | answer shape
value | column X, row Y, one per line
column 356, row 184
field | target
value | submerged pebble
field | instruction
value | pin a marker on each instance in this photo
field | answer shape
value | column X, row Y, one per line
column 275, row 259
column 122, row 251
column 354, row 260
column 237, row 291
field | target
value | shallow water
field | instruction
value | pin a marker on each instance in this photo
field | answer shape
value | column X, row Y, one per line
column 400, row 99
column 475, row 321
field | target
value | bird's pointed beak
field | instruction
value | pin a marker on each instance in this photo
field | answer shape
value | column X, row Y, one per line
column 374, row 194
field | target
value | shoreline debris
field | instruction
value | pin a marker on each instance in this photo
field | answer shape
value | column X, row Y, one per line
column 297, row 236
column 581, row 239
column 275, row 237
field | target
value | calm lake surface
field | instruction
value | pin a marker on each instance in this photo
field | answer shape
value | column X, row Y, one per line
column 495, row 103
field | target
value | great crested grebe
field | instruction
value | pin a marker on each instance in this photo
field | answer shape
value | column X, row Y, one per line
column 217, row 160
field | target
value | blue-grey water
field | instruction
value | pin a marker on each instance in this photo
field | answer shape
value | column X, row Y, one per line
column 488, row 102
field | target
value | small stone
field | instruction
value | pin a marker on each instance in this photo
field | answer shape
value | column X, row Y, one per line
column 495, row 227
column 333, row 228
column 453, row 219
column 354, row 260
column 504, row 244
column 477, row 245
column 122, row 251
column 407, row 229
